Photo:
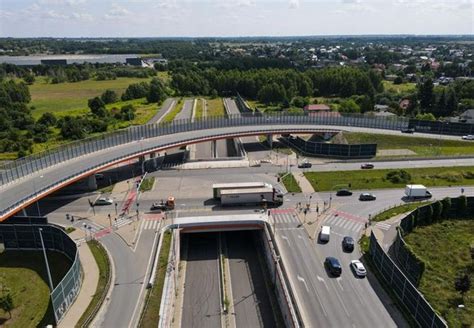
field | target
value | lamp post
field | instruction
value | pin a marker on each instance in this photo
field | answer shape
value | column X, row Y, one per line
column 277, row 260
column 46, row 259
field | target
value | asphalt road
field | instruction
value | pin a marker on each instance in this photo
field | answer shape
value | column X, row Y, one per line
column 186, row 111
column 168, row 104
column 201, row 306
column 251, row 301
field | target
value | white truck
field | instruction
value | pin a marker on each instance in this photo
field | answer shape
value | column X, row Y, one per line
column 417, row 192
column 251, row 196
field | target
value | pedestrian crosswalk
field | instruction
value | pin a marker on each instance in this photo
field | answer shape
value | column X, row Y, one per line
column 121, row 221
column 150, row 225
column 285, row 217
column 383, row 226
column 344, row 223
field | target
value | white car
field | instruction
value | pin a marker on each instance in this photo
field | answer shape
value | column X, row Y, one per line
column 104, row 201
column 468, row 137
column 358, row 268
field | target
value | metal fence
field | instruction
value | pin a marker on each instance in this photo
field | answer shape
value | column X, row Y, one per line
column 26, row 237
column 25, row 166
column 442, row 128
column 405, row 291
column 331, row 150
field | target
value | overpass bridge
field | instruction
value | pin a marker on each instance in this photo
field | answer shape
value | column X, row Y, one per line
column 26, row 180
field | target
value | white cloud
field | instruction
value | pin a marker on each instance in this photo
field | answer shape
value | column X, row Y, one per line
column 53, row 14
column 294, row 4
column 166, row 4
column 82, row 17
column 117, row 12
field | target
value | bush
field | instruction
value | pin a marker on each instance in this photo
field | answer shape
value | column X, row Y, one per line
column 109, row 96
column 462, row 206
column 398, row 176
column 437, row 210
column 446, row 202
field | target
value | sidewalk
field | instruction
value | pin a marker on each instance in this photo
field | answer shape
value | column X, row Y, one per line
column 305, row 186
column 89, row 283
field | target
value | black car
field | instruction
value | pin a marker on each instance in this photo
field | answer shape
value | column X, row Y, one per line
column 367, row 196
column 344, row 192
column 305, row 165
column 348, row 244
column 367, row 166
column 158, row 207
column 333, row 266
column 408, row 130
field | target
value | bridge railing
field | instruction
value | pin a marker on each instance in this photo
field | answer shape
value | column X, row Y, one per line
column 22, row 167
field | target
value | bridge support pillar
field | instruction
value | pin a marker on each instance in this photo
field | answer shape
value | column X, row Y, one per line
column 91, row 183
column 270, row 140
column 214, row 148
column 141, row 162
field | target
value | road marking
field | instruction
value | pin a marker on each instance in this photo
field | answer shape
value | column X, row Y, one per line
column 339, row 282
column 320, row 278
column 286, row 238
column 304, row 282
column 383, row 226
column 300, row 237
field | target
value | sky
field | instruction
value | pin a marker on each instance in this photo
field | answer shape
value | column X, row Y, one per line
column 201, row 18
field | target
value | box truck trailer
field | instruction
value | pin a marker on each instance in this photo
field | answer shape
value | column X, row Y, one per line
column 218, row 187
column 251, row 196
column 417, row 192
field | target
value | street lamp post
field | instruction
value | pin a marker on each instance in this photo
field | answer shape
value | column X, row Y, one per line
column 277, row 260
column 46, row 259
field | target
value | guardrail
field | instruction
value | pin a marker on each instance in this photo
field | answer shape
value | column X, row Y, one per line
column 26, row 237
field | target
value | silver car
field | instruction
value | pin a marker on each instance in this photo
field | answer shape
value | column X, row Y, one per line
column 104, row 201
column 358, row 268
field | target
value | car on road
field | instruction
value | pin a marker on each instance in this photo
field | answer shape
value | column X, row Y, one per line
column 408, row 130
column 366, row 196
column 333, row 265
column 358, row 268
column 104, row 201
column 305, row 165
column 468, row 137
column 344, row 192
column 367, row 166
column 348, row 244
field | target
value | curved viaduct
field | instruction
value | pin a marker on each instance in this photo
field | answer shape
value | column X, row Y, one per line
column 24, row 181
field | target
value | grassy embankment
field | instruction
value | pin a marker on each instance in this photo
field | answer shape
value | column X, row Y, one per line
column 151, row 313
column 24, row 274
column 199, row 109
column 396, row 210
column 376, row 179
column 423, row 147
column 102, row 260
column 444, row 247
column 290, row 183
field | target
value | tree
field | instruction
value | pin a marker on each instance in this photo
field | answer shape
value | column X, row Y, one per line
column 462, row 284
column 47, row 119
column 446, row 207
column 97, row 107
column 425, row 117
column 349, row 106
column 425, row 94
column 157, row 91
column 437, row 210
column 72, row 128
column 127, row 112
column 398, row 80
column 451, row 102
column 29, row 78
column 462, row 206
column 109, row 96
column 136, row 90
column 6, row 304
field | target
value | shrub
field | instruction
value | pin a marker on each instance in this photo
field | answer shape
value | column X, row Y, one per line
column 398, row 176
column 462, row 206
column 446, row 207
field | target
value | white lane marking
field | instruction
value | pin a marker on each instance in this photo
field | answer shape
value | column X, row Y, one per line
column 304, row 282
column 330, row 220
column 346, row 224
column 351, row 226
column 300, row 237
column 285, row 238
column 339, row 282
column 320, row 278
column 338, row 234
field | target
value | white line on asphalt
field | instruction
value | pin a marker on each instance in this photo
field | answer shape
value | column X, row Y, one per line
column 339, row 282
column 286, row 238
column 304, row 282
column 300, row 237
column 320, row 278
column 132, row 323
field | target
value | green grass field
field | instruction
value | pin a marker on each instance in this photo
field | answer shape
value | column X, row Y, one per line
column 290, row 183
column 215, row 107
column 444, row 247
column 421, row 146
column 151, row 312
column 24, row 273
column 71, row 98
column 147, row 184
column 400, row 88
column 376, row 179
